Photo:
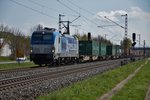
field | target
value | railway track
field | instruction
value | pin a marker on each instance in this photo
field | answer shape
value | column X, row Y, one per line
column 19, row 82
column 8, row 71
column 7, row 74
column 34, row 68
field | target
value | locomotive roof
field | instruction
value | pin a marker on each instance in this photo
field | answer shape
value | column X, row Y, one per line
column 44, row 31
column 56, row 33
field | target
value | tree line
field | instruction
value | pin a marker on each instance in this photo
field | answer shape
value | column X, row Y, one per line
column 99, row 38
column 19, row 44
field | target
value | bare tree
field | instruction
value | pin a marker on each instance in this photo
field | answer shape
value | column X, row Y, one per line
column 1, row 45
column 4, row 28
column 18, row 43
column 82, row 37
column 126, row 45
column 36, row 28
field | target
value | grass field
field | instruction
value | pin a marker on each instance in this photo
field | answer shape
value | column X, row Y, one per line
column 5, row 59
column 136, row 88
column 16, row 65
column 94, row 87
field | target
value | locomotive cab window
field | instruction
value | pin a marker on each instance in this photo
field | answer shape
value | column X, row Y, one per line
column 40, row 38
column 36, row 38
column 47, row 37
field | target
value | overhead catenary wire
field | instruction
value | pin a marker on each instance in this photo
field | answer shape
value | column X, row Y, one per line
column 57, row 11
column 80, row 7
column 35, row 10
column 114, row 22
column 68, row 7
column 76, row 12
column 106, row 25
column 41, row 5
column 49, row 8
column 87, row 11
column 79, row 14
column 104, row 17
column 81, row 28
column 42, row 13
column 91, row 13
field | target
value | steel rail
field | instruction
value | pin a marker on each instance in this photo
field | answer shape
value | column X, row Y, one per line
column 32, row 79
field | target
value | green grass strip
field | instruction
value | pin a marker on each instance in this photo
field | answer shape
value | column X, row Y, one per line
column 5, row 59
column 93, row 87
column 16, row 65
column 137, row 87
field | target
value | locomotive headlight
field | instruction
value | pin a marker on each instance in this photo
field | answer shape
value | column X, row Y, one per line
column 53, row 49
column 31, row 50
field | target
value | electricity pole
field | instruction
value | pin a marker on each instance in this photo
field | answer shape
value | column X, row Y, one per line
column 60, row 22
column 126, row 25
column 126, row 34
column 139, row 39
column 105, row 36
column 64, row 25
column 144, row 48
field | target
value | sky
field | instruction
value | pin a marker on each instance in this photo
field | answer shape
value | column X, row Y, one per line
column 25, row 14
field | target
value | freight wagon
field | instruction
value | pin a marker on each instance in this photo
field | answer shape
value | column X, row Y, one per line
column 102, row 51
column 117, row 51
column 88, row 50
column 110, row 51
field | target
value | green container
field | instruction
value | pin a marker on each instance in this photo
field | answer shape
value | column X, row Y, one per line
column 89, row 48
column 111, row 50
column 117, row 50
column 102, row 49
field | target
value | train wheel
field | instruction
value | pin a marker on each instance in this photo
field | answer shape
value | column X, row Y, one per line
column 41, row 65
column 58, row 62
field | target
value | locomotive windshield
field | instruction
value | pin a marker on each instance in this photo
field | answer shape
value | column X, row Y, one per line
column 42, row 38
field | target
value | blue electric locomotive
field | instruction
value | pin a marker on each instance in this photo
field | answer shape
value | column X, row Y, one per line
column 49, row 46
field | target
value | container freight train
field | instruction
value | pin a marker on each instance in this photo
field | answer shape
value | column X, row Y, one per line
column 51, row 47
column 93, row 50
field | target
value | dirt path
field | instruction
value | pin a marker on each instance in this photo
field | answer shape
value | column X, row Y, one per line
column 148, row 94
column 118, row 87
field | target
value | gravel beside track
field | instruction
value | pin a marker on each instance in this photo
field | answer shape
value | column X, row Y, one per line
column 29, row 91
column 33, row 71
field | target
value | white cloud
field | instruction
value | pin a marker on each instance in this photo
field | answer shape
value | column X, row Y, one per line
column 138, row 22
column 112, row 14
column 138, row 13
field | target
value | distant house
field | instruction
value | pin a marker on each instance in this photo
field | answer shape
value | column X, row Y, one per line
column 5, row 50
